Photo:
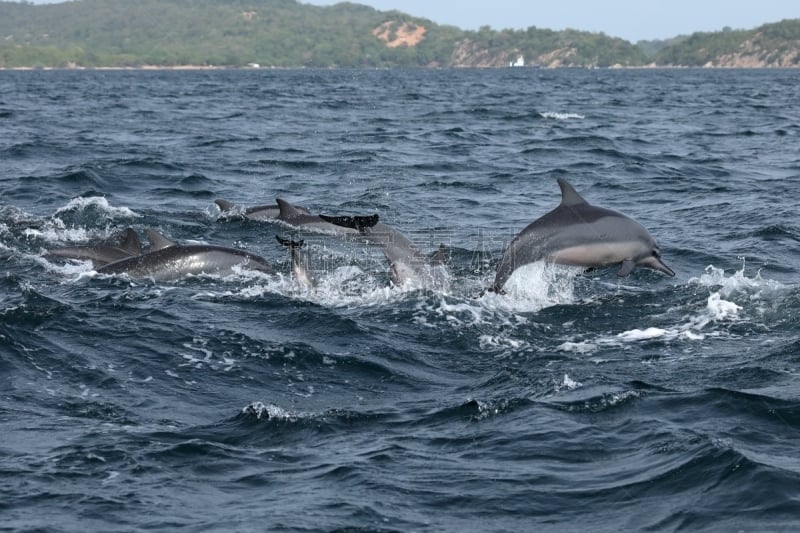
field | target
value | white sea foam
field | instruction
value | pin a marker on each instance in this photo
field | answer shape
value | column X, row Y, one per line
column 561, row 116
column 346, row 286
column 535, row 286
column 269, row 412
column 71, row 270
column 641, row 334
column 733, row 297
column 505, row 343
column 568, row 383
column 754, row 288
column 98, row 202
column 57, row 232
column 578, row 347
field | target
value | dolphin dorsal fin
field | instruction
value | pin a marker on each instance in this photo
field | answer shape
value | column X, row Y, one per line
column 225, row 205
column 569, row 196
column 157, row 240
column 130, row 242
column 287, row 210
column 440, row 257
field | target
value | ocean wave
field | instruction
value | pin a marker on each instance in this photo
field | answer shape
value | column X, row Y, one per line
column 714, row 319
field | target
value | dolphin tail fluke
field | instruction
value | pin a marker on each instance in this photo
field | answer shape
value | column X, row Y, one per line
column 359, row 223
column 292, row 245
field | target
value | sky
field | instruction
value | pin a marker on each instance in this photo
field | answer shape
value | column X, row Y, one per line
column 630, row 19
column 633, row 20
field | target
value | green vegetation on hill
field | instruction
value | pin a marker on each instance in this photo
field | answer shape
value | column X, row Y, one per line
column 286, row 33
column 771, row 45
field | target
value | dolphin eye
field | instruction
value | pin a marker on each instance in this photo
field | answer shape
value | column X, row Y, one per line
column 656, row 254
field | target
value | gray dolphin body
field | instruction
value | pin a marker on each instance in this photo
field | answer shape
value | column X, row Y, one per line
column 257, row 212
column 118, row 247
column 580, row 234
column 406, row 262
column 294, row 217
column 168, row 261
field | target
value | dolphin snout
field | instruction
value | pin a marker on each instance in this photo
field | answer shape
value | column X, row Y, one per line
column 656, row 264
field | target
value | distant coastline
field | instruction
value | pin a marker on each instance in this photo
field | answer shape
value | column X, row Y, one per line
column 216, row 34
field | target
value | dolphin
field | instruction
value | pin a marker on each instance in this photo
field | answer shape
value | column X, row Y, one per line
column 119, row 246
column 406, row 262
column 169, row 261
column 300, row 262
column 580, row 234
column 258, row 212
column 289, row 214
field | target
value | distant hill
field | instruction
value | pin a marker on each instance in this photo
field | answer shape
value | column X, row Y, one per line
column 286, row 33
column 770, row 45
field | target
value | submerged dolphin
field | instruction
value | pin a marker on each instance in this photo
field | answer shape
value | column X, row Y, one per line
column 300, row 262
column 257, row 212
column 169, row 261
column 580, row 234
column 119, row 246
column 406, row 262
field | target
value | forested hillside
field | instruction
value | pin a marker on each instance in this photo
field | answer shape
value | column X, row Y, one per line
column 286, row 33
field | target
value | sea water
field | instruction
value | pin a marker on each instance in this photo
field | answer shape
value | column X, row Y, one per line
column 577, row 401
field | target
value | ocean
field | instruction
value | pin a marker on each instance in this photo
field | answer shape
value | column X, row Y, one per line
column 578, row 401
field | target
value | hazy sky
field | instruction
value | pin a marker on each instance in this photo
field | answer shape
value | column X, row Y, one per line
column 629, row 19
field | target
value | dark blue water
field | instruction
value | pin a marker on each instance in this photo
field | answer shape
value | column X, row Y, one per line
column 576, row 402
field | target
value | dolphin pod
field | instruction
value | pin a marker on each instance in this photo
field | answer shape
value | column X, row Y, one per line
column 574, row 233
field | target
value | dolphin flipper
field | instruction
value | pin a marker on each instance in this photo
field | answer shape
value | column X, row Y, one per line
column 626, row 268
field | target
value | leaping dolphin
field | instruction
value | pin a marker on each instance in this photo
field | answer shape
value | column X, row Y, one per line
column 169, row 261
column 257, row 212
column 118, row 247
column 580, row 234
column 406, row 262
